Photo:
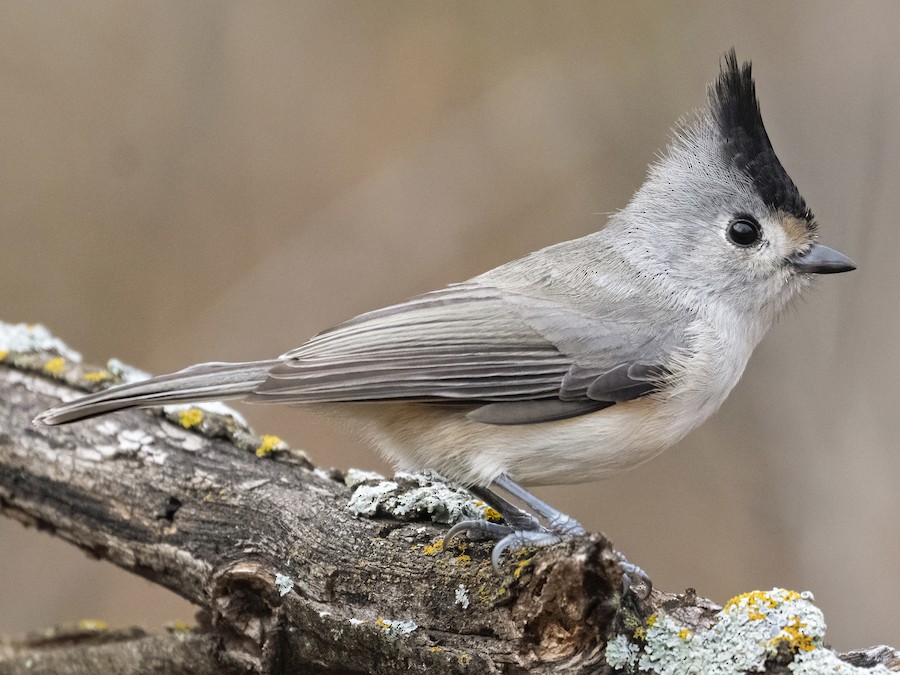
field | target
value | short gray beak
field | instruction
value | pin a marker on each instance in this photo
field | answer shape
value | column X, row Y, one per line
column 821, row 260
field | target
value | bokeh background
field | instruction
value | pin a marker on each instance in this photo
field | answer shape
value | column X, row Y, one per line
column 220, row 180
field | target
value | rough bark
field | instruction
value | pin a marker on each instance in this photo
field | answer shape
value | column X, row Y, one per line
column 285, row 578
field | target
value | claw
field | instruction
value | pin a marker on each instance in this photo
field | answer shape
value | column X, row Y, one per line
column 634, row 579
column 481, row 529
column 522, row 539
column 523, row 530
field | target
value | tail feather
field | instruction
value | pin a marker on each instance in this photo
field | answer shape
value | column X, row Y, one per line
column 203, row 382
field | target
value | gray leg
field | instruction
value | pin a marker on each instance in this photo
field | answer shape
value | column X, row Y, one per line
column 512, row 514
column 524, row 530
column 557, row 521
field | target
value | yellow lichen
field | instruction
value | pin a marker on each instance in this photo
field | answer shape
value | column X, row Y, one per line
column 795, row 637
column 94, row 625
column 464, row 659
column 268, row 444
column 55, row 366
column 382, row 624
column 521, row 567
column 631, row 622
column 463, row 559
column 432, row 549
column 435, row 650
column 179, row 626
column 685, row 634
column 97, row 376
column 190, row 418
column 3, row 354
column 492, row 515
column 755, row 598
column 640, row 632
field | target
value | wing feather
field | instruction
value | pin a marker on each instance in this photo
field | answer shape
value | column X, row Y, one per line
column 514, row 359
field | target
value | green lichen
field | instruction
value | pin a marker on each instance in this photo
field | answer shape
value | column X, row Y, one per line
column 749, row 629
column 410, row 496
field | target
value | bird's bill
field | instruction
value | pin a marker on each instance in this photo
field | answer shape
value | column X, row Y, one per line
column 822, row 260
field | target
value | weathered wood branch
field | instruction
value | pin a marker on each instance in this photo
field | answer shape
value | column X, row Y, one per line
column 286, row 579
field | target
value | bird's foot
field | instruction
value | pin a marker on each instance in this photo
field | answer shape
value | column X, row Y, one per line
column 522, row 530
column 506, row 537
column 634, row 578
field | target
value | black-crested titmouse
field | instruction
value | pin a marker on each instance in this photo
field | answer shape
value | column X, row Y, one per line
column 575, row 362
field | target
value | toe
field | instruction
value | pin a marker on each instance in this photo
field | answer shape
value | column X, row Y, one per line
column 634, row 579
column 522, row 539
column 478, row 530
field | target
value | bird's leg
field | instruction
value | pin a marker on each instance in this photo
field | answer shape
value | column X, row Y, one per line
column 567, row 527
column 515, row 517
column 557, row 521
column 523, row 530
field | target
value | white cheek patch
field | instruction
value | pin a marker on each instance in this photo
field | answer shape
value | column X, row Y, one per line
column 787, row 233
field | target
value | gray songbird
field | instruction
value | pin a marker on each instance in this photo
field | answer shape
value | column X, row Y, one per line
column 575, row 362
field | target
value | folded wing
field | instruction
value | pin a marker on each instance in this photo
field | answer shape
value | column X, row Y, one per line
column 512, row 359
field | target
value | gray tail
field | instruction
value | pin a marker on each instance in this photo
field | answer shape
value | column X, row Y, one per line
column 203, row 382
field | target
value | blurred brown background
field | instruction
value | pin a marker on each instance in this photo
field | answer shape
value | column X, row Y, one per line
column 218, row 181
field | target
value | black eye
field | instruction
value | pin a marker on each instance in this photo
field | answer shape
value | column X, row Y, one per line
column 744, row 231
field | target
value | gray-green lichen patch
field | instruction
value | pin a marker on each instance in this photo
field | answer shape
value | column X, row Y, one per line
column 395, row 628
column 354, row 477
column 33, row 337
column 462, row 597
column 125, row 373
column 33, row 348
column 284, row 584
column 412, row 496
column 750, row 629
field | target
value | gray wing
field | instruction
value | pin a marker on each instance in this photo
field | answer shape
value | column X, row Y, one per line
column 512, row 358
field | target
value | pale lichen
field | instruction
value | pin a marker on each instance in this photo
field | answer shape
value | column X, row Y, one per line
column 354, row 477
column 748, row 629
column 125, row 373
column 367, row 499
column 462, row 597
column 394, row 628
column 621, row 653
column 409, row 496
column 33, row 337
column 284, row 583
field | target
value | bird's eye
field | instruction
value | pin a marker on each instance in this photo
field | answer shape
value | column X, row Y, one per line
column 744, row 231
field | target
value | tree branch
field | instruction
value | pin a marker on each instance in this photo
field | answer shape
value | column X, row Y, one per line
column 286, row 578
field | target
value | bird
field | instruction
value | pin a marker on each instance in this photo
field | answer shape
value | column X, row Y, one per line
column 573, row 363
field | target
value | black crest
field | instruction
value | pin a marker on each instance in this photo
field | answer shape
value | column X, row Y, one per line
column 735, row 110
